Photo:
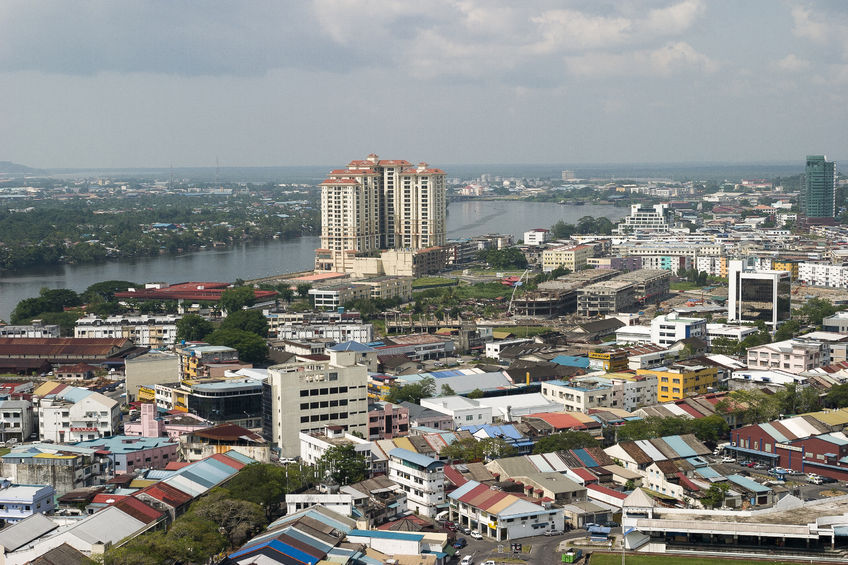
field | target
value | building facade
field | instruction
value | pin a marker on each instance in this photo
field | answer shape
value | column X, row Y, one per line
column 421, row 477
column 682, row 380
column 379, row 204
column 818, row 195
column 667, row 329
column 145, row 331
column 309, row 396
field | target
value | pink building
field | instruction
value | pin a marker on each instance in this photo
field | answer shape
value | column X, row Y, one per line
column 387, row 420
column 171, row 425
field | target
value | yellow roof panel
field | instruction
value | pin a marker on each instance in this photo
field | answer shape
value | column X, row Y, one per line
column 45, row 388
column 404, row 443
column 141, row 483
column 54, row 456
column 831, row 417
column 501, row 504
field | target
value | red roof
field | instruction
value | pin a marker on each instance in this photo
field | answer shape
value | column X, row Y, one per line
column 606, row 491
column 585, row 474
column 454, row 476
column 168, row 494
column 235, row 464
column 176, row 465
column 559, row 420
column 107, row 498
column 684, row 480
column 138, row 510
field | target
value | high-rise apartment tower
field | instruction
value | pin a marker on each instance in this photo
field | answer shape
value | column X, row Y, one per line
column 818, row 195
column 379, row 204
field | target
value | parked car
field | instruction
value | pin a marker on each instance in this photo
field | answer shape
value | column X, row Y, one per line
column 450, row 527
column 460, row 543
column 728, row 460
column 466, row 530
column 467, row 560
column 553, row 532
column 750, row 464
column 476, row 535
column 759, row 466
column 489, row 562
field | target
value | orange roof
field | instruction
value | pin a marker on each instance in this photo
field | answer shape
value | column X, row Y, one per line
column 559, row 420
column 341, row 181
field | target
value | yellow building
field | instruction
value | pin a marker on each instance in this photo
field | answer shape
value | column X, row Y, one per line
column 682, row 380
column 572, row 258
column 611, row 360
column 790, row 265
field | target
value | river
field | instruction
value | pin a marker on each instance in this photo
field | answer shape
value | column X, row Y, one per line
column 465, row 219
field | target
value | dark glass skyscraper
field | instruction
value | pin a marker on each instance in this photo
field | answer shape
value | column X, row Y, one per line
column 818, row 197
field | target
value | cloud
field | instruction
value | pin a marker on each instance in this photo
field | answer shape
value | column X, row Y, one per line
column 792, row 63
column 663, row 61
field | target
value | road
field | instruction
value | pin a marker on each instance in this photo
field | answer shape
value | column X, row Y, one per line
column 543, row 549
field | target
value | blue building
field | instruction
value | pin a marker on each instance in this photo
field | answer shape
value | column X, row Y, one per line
column 22, row 501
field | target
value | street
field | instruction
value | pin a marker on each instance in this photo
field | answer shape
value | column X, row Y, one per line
column 543, row 549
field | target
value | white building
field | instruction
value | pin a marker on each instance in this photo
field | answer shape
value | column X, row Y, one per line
column 537, row 236
column 667, row 329
column 713, row 265
column 309, row 396
column 493, row 348
column 464, row 411
column 362, row 333
column 34, row 329
column 16, row 420
column 502, row 516
column 579, row 397
column 313, row 447
column 823, row 274
column 792, row 355
column 421, row 477
column 76, row 414
column 656, row 218
column 733, row 332
column 604, row 390
column 144, row 331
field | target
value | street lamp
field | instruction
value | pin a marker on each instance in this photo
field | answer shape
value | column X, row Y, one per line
column 623, row 537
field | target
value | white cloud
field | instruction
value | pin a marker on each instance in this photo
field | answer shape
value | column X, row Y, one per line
column 792, row 63
column 673, row 19
column 663, row 61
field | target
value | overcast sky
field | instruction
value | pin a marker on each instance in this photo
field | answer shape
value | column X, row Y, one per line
column 150, row 83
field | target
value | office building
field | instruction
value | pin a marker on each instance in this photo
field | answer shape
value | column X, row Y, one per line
column 667, row 329
column 307, row 397
column 568, row 257
column 818, row 194
column 16, row 420
column 379, row 204
column 234, row 400
column 757, row 295
column 537, row 236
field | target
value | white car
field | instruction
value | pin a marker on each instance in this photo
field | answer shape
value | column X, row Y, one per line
column 489, row 562
column 728, row 460
column 476, row 535
column 467, row 560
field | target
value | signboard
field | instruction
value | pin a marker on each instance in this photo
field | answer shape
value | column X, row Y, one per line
column 788, row 447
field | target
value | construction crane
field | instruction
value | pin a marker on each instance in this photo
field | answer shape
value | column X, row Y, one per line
column 514, row 288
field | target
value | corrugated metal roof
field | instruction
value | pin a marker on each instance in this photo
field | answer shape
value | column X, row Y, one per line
column 555, row 462
column 31, row 528
column 680, row 446
column 650, row 450
column 414, row 457
column 540, row 463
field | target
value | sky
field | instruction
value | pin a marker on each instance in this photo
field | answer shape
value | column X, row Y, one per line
column 104, row 84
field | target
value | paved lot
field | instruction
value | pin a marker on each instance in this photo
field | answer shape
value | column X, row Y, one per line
column 538, row 550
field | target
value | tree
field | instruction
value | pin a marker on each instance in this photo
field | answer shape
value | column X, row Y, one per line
column 837, row 396
column 286, row 293
column 303, row 289
column 192, row 327
column 234, row 299
column 750, row 406
column 247, row 320
column 447, row 391
column 251, row 347
column 562, row 230
column 509, row 258
column 714, row 497
column 815, row 310
column 724, row 346
column 413, row 392
column 266, row 485
column 344, row 464
column 470, row 450
column 476, row 393
column 238, row 518
column 787, row 330
column 106, row 290
column 564, row 441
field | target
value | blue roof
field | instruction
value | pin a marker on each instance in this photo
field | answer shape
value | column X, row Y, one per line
column 584, row 457
column 571, row 361
column 507, row 430
column 748, row 484
column 412, row 457
column 126, row 444
column 462, row 490
column 280, row 547
column 680, row 446
column 386, row 534
column 708, row 472
column 351, row 346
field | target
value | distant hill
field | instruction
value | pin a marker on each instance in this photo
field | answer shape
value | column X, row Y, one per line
column 15, row 168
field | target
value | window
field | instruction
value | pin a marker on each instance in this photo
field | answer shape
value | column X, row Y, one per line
column 469, row 418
